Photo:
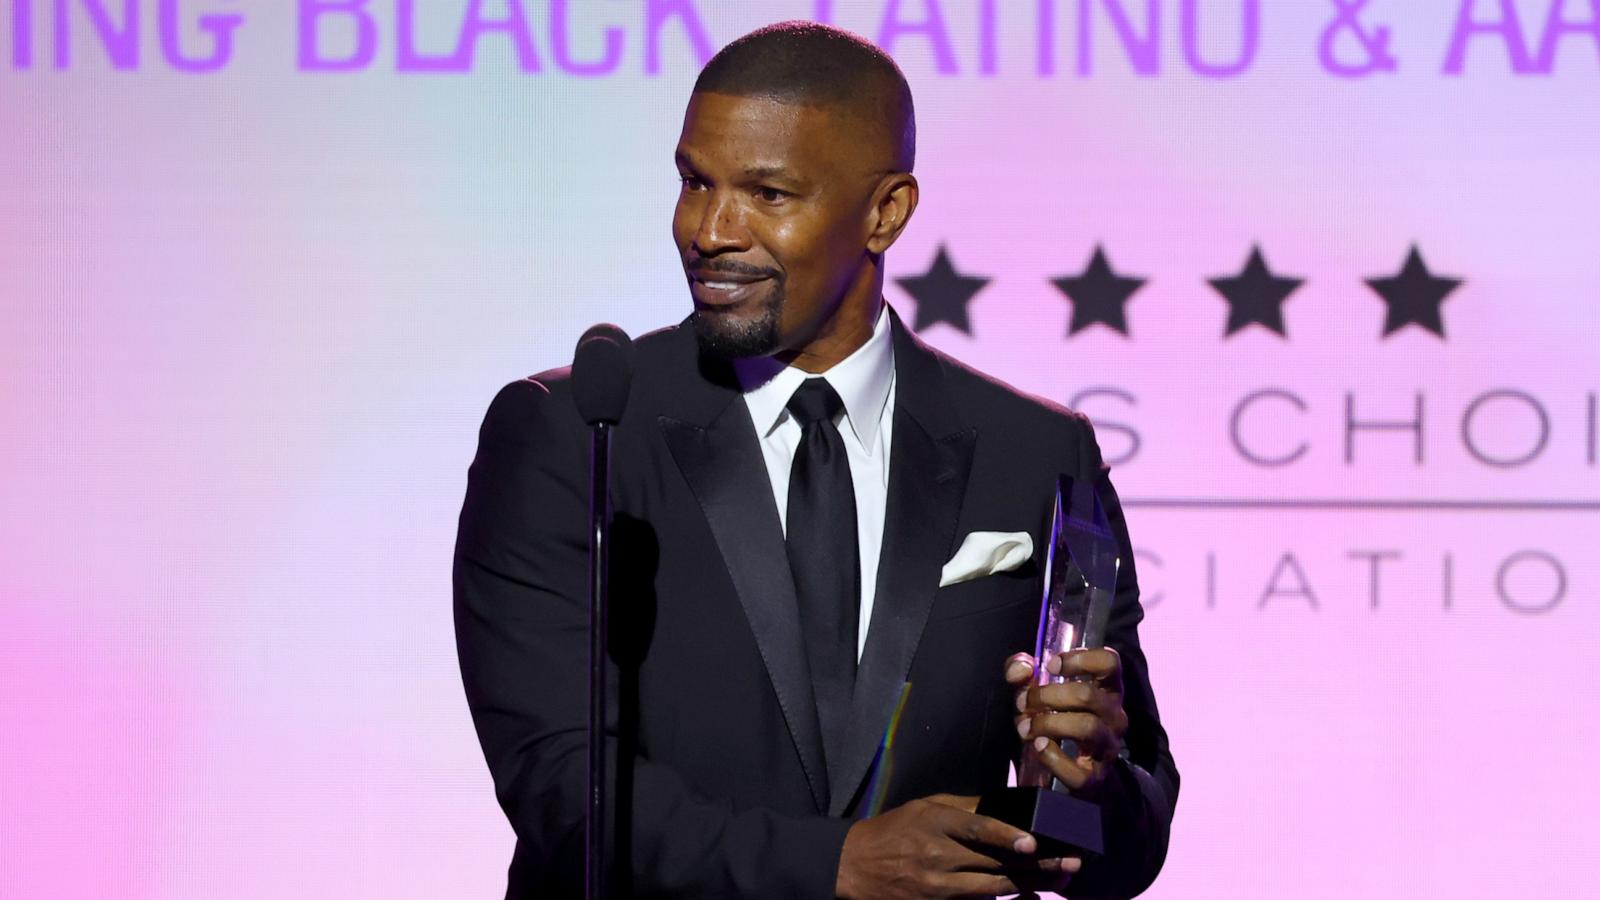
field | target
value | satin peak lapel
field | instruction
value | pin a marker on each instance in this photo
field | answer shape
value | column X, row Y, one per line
column 722, row 463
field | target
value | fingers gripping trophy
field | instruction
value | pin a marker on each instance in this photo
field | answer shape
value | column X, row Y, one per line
column 1081, row 564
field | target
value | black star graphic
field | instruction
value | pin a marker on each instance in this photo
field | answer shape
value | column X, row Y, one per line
column 1414, row 296
column 942, row 294
column 1255, row 296
column 1098, row 295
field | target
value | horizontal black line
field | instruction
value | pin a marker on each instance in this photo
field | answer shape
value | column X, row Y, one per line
column 1395, row 505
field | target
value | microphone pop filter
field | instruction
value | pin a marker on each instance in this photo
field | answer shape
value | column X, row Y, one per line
column 602, row 369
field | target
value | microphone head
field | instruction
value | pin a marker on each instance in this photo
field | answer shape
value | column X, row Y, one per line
column 602, row 369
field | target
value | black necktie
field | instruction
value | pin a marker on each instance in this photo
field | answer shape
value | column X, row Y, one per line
column 824, row 556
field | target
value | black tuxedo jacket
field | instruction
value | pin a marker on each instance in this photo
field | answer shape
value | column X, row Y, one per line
column 722, row 778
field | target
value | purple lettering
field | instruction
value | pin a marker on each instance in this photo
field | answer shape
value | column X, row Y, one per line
column 822, row 11
column 563, row 53
column 514, row 25
column 219, row 27
column 657, row 12
column 1557, row 26
column 310, row 55
column 122, row 44
column 1045, row 47
column 1508, row 27
column 1249, row 41
column 1144, row 51
column 1046, row 60
column 407, row 57
column 473, row 26
column 988, row 38
column 22, row 34
column 932, row 25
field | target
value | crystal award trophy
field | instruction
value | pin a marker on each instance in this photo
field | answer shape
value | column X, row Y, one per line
column 1080, row 580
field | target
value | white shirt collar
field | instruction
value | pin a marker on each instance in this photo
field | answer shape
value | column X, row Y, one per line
column 861, row 379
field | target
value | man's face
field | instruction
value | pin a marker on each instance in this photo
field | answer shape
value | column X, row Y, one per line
column 772, row 220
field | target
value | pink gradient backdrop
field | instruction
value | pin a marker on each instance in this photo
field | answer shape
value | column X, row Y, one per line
column 249, row 322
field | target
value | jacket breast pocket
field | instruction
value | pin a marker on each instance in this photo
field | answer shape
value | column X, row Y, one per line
column 987, row 594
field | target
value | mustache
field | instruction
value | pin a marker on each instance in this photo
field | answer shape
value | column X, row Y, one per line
column 727, row 267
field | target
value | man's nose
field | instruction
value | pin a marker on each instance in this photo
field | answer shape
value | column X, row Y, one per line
column 721, row 227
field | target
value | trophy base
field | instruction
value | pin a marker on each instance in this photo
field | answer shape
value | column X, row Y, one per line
column 1063, row 825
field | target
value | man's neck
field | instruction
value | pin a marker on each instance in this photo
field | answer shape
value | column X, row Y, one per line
column 846, row 333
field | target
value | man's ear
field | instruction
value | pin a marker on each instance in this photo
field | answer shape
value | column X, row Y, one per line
column 895, row 201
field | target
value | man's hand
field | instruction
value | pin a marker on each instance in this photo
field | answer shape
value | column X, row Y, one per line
column 937, row 847
column 1086, row 709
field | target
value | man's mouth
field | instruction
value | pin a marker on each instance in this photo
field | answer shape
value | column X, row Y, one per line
column 724, row 290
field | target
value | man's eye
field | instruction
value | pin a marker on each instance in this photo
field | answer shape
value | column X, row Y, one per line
column 689, row 182
column 771, row 195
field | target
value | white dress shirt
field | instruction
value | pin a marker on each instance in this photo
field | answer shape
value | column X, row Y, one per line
column 864, row 380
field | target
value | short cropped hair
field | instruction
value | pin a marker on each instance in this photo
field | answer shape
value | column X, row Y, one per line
column 819, row 65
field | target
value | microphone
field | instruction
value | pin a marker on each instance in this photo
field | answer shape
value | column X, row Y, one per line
column 602, row 370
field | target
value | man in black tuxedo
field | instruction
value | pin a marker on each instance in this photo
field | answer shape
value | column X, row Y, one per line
column 823, row 535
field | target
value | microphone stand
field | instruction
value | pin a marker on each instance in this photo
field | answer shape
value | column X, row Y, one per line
column 602, row 370
column 599, row 599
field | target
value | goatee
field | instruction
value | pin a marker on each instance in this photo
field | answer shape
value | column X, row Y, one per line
column 723, row 335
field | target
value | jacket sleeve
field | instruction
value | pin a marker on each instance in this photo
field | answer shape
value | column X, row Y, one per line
column 1140, row 793
column 521, row 620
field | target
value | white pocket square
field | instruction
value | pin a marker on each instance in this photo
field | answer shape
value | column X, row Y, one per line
column 985, row 553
